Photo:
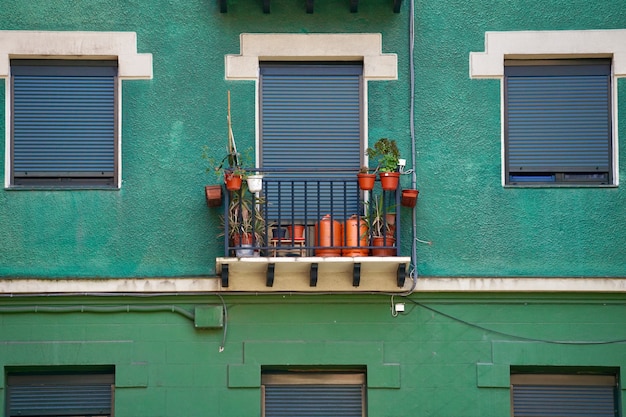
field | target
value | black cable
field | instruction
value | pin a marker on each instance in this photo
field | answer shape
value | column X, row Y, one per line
column 530, row 339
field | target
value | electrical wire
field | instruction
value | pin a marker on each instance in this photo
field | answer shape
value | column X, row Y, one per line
column 514, row 336
column 225, row 317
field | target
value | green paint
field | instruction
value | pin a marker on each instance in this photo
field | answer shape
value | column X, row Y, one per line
column 451, row 361
column 422, row 362
column 158, row 223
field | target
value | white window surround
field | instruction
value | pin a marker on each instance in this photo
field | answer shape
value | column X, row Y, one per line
column 366, row 47
column 71, row 45
column 548, row 44
column 610, row 43
column 311, row 47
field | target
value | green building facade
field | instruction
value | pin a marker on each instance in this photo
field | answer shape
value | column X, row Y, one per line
column 509, row 282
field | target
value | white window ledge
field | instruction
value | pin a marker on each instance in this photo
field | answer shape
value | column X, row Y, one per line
column 548, row 44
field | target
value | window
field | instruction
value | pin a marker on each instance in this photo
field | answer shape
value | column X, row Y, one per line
column 63, row 123
column 591, row 60
column 57, row 392
column 63, row 114
column 311, row 119
column 584, row 394
column 322, row 394
column 558, row 122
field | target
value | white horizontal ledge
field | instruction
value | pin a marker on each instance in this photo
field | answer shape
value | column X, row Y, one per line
column 212, row 284
column 107, row 285
column 521, row 284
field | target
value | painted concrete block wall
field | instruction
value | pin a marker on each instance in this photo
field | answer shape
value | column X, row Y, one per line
column 443, row 357
column 157, row 224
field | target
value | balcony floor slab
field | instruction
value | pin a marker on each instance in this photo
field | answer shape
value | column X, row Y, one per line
column 334, row 274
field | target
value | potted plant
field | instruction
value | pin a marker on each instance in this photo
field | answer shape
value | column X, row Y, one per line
column 246, row 224
column 366, row 180
column 385, row 152
column 381, row 230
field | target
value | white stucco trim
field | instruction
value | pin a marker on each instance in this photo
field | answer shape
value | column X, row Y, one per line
column 255, row 47
column 424, row 285
column 77, row 45
column 548, row 44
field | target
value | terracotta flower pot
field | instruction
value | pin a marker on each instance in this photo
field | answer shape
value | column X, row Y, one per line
column 389, row 180
column 409, row 198
column 232, row 181
column 213, row 195
column 296, row 232
column 383, row 241
column 366, row 181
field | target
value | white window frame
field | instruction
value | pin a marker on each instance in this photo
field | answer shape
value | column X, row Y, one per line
column 121, row 46
column 552, row 45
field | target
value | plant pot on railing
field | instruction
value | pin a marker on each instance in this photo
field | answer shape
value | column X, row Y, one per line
column 255, row 183
column 213, row 194
column 232, row 181
column 389, row 180
column 409, row 198
column 366, row 181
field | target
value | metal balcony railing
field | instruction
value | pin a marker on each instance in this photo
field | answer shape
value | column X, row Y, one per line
column 311, row 214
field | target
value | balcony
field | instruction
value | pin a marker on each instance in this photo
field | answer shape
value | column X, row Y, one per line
column 312, row 231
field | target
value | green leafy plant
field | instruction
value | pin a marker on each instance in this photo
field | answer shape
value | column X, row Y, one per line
column 386, row 154
column 375, row 217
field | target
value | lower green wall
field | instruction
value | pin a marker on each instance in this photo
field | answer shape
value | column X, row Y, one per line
column 441, row 357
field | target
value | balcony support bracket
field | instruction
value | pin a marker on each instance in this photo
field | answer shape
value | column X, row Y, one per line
column 225, row 275
column 269, row 276
column 356, row 274
column 401, row 275
column 313, row 275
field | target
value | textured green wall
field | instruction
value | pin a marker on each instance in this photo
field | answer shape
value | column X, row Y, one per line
column 158, row 223
column 442, row 357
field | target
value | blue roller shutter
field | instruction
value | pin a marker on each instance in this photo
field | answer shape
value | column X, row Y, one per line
column 314, row 400
column 64, row 124
column 563, row 395
column 311, row 120
column 558, row 121
column 56, row 395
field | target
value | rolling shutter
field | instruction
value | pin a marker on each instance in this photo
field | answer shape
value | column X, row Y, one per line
column 314, row 400
column 563, row 396
column 558, row 117
column 311, row 121
column 319, row 394
column 54, row 395
column 63, row 120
